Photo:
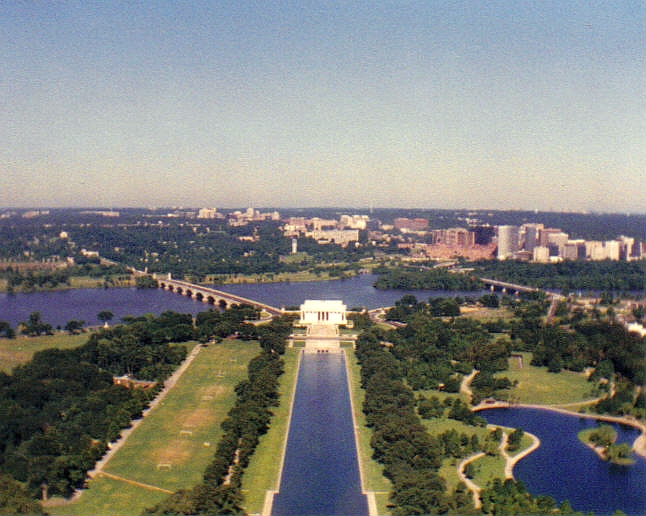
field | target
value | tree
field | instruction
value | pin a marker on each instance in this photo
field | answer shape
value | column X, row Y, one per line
column 73, row 326
column 105, row 316
column 14, row 499
column 146, row 281
column 35, row 325
column 6, row 330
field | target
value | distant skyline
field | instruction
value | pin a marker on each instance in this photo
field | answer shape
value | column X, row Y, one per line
column 427, row 104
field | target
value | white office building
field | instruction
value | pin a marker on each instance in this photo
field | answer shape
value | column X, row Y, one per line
column 507, row 242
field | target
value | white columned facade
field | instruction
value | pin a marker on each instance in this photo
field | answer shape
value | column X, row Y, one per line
column 323, row 313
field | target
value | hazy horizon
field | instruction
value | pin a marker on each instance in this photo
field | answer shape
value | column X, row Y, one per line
column 439, row 105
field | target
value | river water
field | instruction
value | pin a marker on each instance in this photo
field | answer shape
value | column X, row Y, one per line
column 59, row 307
column 565, row 469
column 355, row 292
column 321, row 470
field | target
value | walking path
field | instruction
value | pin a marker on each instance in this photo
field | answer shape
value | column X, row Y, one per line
column 370, row 495
column 134, row 482
column 510, row 461
column 465, row 385
column 269, row 495
column 471, row 485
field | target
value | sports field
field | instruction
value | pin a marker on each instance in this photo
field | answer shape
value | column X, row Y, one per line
column 175, row 442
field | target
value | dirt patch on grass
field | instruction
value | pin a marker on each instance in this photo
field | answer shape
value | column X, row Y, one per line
column 177, row 451
column 213, row 391
column 197, row 418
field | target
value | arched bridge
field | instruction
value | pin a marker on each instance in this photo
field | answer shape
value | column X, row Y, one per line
column 210, row 295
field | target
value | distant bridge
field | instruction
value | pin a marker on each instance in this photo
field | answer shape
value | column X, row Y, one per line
column 210, row 295
column 514, row 287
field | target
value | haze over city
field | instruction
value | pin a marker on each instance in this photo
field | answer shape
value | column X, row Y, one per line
column 508, row 105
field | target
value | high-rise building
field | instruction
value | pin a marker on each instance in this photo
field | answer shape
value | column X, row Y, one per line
column 531, row 236
column 507, row 241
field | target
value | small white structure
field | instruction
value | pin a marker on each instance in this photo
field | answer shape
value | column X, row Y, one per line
column 323, row 313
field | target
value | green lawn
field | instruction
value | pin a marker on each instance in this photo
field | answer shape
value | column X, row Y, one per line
column 263, row 471
column 488, row 468
column 14, row 352
column 536, row 385
column 176, row 441
column 106, row 496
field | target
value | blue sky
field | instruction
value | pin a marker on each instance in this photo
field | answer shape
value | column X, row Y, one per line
column 498, row 104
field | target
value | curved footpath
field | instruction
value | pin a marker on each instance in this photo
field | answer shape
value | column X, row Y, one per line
column 511, row 460
column 639, row 446
column 471, row 485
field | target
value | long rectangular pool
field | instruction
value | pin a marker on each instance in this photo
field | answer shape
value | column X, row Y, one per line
column 321, row 469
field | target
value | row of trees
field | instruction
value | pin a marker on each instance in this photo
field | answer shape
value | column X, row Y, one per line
column 219, row 493
column 411, row 458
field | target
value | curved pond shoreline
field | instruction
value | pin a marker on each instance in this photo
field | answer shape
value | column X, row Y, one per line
column 639, row 445
column 587, row 482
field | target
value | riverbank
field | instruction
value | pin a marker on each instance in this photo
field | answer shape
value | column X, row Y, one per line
column 639, row 445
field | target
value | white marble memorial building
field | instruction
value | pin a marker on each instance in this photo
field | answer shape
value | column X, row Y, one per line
column 323, row 313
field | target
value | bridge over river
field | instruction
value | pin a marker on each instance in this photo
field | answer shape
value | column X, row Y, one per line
column 210, row 295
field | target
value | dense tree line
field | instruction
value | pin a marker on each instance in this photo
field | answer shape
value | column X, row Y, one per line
column 427, row 279
column 410, row 456
column 510, row 497
column 436, row 353
column 45, row 279
column 569, row 276
column 219, row 493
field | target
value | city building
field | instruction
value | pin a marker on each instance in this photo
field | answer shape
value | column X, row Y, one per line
column 405, row 224
column 209, row 213
column 456, row 237
column 529, row 236
column 341, row 237
column 507, row 241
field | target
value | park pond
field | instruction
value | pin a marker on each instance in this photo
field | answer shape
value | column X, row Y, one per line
column 565, row 469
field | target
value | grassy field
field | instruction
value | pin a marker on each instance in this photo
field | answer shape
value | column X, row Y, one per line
column 536, row 385
column 263, row 471
column 175, row 442
column 486, row 314
column 488, row 468
column 373, row 478
column 300, row 276
column 14, row 352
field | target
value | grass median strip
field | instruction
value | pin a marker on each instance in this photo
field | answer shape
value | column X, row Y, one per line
column 263, row 471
